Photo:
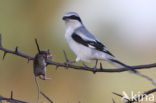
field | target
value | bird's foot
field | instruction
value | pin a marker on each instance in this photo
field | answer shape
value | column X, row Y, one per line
column 95, row 67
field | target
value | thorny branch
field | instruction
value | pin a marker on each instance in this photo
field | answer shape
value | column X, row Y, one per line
column 84, row 67
column 10, row 100
column 131, row 100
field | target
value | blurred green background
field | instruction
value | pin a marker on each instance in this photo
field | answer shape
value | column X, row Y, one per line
column 126, row 27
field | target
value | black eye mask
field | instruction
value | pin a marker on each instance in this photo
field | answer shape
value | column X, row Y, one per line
column 73, row 17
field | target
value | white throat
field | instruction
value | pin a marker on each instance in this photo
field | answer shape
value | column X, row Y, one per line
column 72, row 24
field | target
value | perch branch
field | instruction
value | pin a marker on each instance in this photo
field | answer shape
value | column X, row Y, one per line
column 84, row 67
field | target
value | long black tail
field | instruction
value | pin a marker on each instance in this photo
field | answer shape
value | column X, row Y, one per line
column 124, row 65
column 132, row 70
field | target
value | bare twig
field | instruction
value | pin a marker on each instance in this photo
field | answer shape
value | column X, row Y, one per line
column 117, row 94
column 11, row 100
column 16, row 53
column 38, row 48
column 86, row 68
column 46, row 97
column 95, row 67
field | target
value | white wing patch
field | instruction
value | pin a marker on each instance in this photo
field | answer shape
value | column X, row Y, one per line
column 90, row 46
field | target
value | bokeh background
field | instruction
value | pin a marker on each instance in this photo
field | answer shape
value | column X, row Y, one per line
column 127, row 27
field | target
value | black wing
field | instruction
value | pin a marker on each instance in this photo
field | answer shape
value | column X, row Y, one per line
column 92, row 44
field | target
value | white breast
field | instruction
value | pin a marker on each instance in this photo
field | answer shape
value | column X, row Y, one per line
column 83, row 52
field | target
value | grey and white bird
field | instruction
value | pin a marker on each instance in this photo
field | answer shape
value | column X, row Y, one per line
column 84, row 44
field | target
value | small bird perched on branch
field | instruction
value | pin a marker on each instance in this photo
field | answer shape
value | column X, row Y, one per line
column 84, row 44
column 87, row 47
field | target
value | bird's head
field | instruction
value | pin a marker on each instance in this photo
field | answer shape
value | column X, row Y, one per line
column 72, row 19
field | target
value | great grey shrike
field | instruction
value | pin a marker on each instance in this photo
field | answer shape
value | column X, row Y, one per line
column 87, row 47
column 84, row 44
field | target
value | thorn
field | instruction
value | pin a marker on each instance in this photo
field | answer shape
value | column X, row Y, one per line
column 4, row 55
column 48, row 51
column 85, row 65
column 101, row 66
column 94, row 69
column 65, row 55
column 16, row 49
column 28, row 60
column 57, row 67
column 11, row 95
column 37, row 45
column 117, row 94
